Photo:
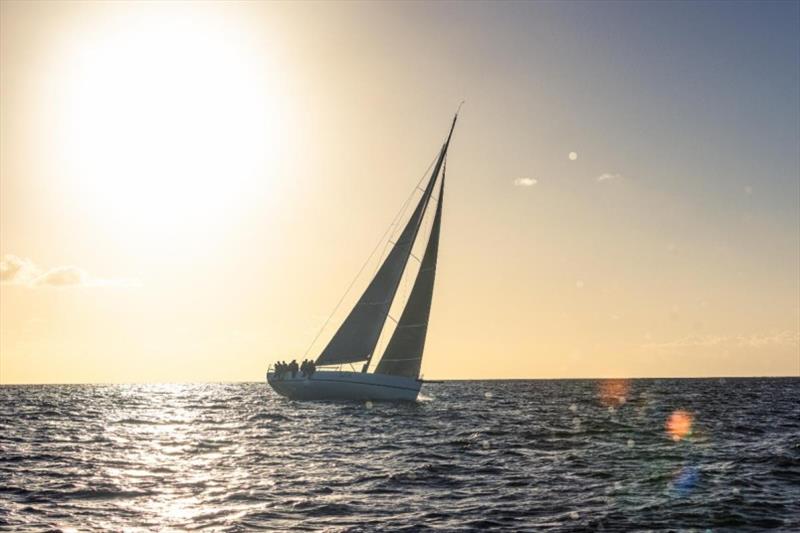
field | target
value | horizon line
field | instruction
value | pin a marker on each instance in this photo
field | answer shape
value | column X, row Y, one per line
column 431, row 381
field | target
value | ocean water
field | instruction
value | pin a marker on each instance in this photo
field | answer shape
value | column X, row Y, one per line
column 715, row 454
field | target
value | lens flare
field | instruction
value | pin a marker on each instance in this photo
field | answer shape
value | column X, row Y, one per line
column 679, row 425
column 685, row 480
column 614, row 392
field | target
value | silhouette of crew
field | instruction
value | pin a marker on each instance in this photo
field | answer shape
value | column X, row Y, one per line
column 306, row 368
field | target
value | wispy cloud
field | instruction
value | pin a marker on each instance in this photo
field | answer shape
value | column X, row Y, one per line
column 779, row 338
column 607, row 176
column 525, row 182
column 16, row 270
column 66, row 276
column 20, row 271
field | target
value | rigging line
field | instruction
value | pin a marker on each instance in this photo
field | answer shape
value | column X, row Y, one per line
column 406, row 282
column 408, row 279
column 394, row 221
column 440, row 177
column 399, row 216
column 432, row 184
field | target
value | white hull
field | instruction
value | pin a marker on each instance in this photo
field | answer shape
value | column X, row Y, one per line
column 333, row 385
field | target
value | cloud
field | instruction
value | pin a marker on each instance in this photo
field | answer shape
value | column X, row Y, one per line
column 606, row 176
column 66, row 276
column 15, row 270
column 781, row 338
column 525, row 182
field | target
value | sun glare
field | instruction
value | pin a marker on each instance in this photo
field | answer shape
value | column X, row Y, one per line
column 167, row 120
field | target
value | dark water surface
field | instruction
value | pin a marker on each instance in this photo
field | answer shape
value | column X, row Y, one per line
column 517, row 455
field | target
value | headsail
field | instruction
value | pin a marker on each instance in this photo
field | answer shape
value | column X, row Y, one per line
column 403, row 355
column 357, row 336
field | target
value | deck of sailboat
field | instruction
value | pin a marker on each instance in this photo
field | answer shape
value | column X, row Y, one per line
column 344, row 385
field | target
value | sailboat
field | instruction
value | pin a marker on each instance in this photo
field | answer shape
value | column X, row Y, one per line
column 397, row 374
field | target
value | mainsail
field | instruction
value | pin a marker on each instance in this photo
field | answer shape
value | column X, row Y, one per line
column 403, row 355
column 357, row 336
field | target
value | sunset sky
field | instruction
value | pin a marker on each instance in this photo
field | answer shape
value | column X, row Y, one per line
column 186, row 190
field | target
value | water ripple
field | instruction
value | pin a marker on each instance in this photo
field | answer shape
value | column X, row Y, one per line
column 516, row 455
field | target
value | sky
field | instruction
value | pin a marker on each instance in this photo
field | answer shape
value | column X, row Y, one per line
column 187, row 189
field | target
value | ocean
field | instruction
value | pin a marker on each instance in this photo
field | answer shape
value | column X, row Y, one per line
column 561, row 455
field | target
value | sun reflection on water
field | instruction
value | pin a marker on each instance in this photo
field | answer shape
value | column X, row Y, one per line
column 161, row 427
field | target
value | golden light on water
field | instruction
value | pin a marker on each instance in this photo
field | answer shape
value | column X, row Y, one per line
column 679, row 425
